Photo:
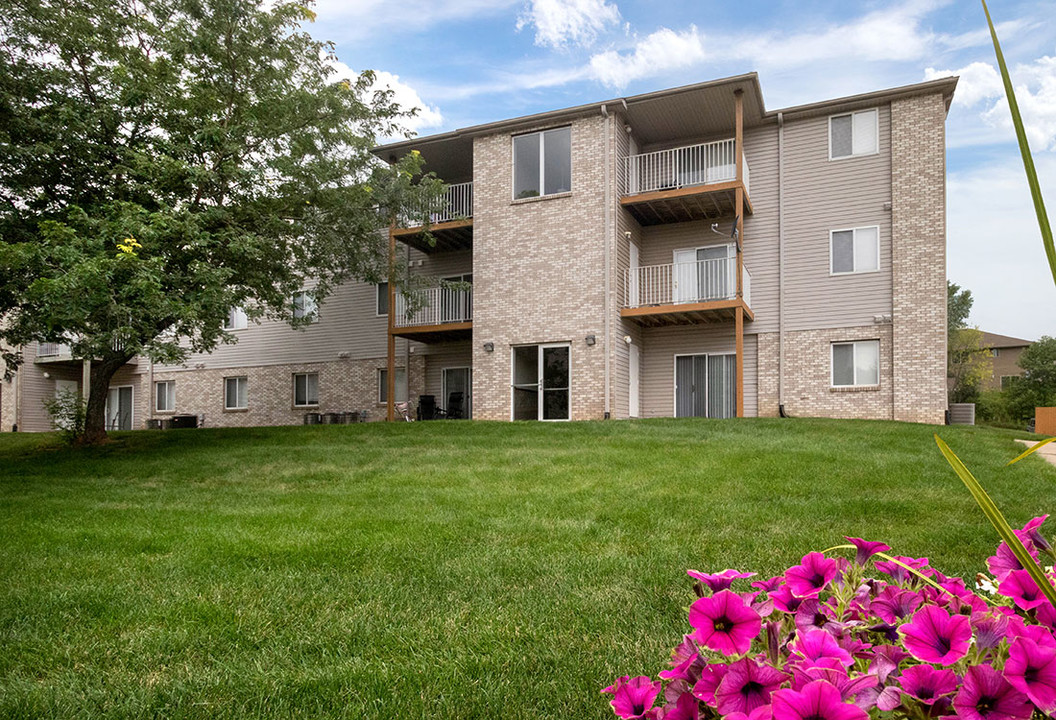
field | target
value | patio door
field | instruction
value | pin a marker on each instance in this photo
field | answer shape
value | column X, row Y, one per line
column 541, row 382
column 684, row 277
column 119, row 408
column 705, row 386
column 713, row 272
column 457, row 380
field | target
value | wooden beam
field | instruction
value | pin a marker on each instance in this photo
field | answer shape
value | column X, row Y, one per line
column 390, row 372
column 650, row 197
column 738, row 136
column 739, row 334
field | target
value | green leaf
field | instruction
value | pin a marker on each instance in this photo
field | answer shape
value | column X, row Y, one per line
column 999, row 522
column 914, row 571
column 1032, row 448
column 1024, row 149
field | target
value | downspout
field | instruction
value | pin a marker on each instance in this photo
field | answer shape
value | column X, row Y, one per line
column 781, row 265
column 608, row 262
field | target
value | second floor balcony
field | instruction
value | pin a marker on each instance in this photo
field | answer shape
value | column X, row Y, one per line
column 692, row 182
column 450, row 223
column 687, row 292
column 434, row 314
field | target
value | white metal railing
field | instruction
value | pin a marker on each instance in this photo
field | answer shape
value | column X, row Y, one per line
column 680, row 167
column 456, row 204
column 690, row 282
column 434, row 306
column 53, row 350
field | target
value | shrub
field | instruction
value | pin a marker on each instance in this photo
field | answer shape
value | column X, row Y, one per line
column 68, row 413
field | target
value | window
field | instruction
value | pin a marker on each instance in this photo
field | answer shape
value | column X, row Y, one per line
column 304, row 307
column 165, row 396
column 236, row 319
column 542, row 163
column 235, row 393
column 855, row 251
column 994, row 352
column 382, row 301
column 383, row 385
column 853, row 134
column 856, row 363
column 305, row 389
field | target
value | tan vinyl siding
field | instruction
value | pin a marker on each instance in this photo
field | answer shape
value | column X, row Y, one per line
column 761, row 229
column 445, row 355
column 661, row 345
column 823, row 195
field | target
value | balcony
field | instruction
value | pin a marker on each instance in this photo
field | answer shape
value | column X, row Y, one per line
column 434, row 315
column 451, row 226
column 694, row 182
column 687, row 293
column 53, row 352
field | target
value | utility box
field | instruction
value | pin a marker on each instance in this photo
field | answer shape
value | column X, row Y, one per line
column 962, row 413
column 1045, row 420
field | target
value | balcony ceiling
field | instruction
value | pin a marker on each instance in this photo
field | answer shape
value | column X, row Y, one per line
column 450, row 156
column 703, row 111
column 447, row 237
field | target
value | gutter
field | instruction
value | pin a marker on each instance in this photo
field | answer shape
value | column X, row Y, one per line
column 609, row 230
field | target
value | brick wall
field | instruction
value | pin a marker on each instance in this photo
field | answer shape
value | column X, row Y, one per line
column 344, row 385
column 538, row 269
column 918, row 216
column 808, row 375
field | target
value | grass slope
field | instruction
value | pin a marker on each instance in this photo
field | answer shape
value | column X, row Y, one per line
column 449, row 570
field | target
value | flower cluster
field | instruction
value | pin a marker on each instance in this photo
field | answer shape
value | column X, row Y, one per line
column 824, row 641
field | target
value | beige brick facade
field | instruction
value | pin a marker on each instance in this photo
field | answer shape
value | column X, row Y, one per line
column 918, row 216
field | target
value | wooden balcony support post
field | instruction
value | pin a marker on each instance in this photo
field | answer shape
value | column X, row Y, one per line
column 739, row 331
column 390, row 374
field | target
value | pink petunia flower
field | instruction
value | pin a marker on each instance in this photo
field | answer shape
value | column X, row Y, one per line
column 927, row 683
column 718, row 581
column 685, row 708
column 724, row 623
column 811, row 576
column 683, row 670
column 769, row 584
column 1031, row 530
column 818, row 700
column 784, row 600
column 989, row 630
column 985, row 695
column 633, row 697
column 894, row 604
column 866, row 549
column 710, row 678
column 1021, row 588
column 764, row 712
column 1004, row 561
column 815, row 645
column 935, row 636
column 816, row 615
column 1031, row 669
column 747, row 686
column 898, row 573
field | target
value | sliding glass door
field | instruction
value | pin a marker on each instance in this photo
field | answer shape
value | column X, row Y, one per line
column 541, row 382
column 705, row 386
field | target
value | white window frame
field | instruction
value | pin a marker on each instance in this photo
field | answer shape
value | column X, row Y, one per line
column 542, row 163
column 309, row 308
column 539, row 382
column 383, row 386
column 132, row 406
column 244, row 380
column 236, row 320
column 377, row 299
column 157, row 384
column 854, row 240
column 854, row 363
column 876, row 132
column 308, row 402
column 467, row 401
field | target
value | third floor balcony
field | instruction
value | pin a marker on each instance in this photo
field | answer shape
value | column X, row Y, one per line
column 692, row 182
column 450, row 223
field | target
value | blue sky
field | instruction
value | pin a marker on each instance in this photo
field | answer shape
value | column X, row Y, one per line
column 466, row 62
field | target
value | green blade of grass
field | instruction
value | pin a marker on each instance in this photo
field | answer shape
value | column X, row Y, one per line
column 1032, row 448
column 1024, row 150
column 998, row 520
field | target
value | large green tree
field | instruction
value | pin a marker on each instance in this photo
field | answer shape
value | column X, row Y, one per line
column 968, row 361
column 1037, row 387
column 162, row 161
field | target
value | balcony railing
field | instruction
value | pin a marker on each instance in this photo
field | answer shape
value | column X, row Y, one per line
column 456, row 204
column 53, row 350
column 704, row 164
column 433, row 306
column 692, row 282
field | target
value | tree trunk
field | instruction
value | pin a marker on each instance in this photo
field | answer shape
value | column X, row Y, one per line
column 102, row 372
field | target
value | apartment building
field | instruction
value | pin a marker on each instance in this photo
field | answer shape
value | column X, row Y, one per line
column 678, row 253
column 1005, row 351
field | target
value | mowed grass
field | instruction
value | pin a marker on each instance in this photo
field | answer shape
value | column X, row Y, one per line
column 434, row 570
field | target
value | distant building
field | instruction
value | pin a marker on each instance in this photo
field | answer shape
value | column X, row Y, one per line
column 1006, row 351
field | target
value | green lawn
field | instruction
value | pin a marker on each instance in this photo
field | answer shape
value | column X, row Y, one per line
column 434, row 569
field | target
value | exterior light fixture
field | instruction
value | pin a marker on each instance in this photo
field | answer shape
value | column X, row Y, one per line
column 591, row 339
column 627, row 339
column 489, row 347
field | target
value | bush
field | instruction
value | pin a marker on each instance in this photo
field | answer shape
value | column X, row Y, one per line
column 825, row 640
column 68, row 413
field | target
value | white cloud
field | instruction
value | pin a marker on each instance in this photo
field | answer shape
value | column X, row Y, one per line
column 562, row 23
column 658, row 52
column 1035, row 86
column 995, row 250
column 429, row 116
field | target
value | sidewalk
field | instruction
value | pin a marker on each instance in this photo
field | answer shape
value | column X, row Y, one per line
column 1048, row 452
